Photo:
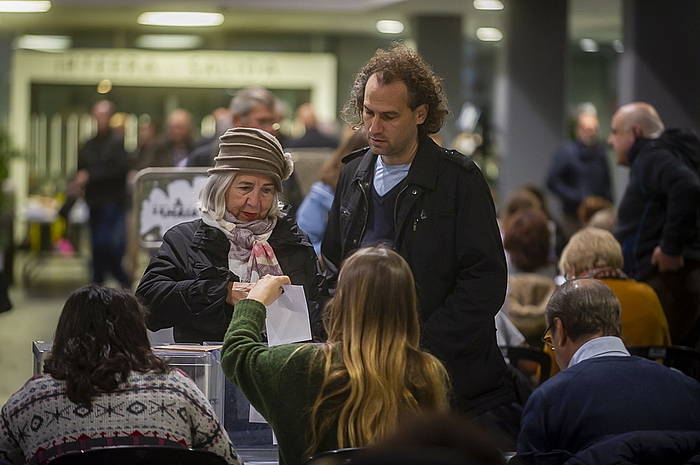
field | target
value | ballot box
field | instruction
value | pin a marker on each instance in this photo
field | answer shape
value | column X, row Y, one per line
column 202, row 364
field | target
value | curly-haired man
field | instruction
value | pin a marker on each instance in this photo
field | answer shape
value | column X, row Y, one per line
column 434, row 207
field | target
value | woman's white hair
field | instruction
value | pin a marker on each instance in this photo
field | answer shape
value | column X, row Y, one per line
column 212, row 197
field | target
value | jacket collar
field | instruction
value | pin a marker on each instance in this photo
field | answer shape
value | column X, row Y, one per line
column 637, row 147
column 424, row 168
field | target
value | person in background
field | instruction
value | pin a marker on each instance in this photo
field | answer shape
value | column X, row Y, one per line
column 258, row 108
column 595, row 253
column 103, row 167
column 579, row 169
column 356, row 388
column 205, row 266
column 602, row 392
column 526, row 238
column 103, row 386
column 312, row 215
column 172, row 150
column 658, row 221
column 590, row 206
column 313, row 136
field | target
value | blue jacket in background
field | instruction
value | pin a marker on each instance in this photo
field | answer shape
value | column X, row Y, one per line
column 312, row 215
column 578, row 171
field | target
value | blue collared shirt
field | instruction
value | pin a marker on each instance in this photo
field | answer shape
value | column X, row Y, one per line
column 605, row 346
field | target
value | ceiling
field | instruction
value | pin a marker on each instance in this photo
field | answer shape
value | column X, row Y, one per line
column 597, row 19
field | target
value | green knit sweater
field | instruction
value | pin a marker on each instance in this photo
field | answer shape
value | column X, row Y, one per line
column 281, row 382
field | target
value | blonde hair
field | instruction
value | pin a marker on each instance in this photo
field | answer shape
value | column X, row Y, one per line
column 588, row 249
column 212, row 197
column 381, row 374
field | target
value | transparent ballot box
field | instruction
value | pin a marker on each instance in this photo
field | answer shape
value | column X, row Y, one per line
column 202, row 364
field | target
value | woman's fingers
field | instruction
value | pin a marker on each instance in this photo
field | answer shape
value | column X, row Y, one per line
column 268, row 289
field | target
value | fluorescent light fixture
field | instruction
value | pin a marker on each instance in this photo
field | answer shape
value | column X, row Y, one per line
column 26, row 6
column 390, row 26
column 180, row 18
column 588, row 45
column 489, row 34
column 617, row 45
column 168, row 41
column 492, row 5
column 43, row 43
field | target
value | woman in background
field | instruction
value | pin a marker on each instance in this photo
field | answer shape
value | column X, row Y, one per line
column 352, row 390
column 312, row 215
column 105, row 387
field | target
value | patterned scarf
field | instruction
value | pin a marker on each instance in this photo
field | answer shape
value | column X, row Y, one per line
column 248, row 243
column 604, row 272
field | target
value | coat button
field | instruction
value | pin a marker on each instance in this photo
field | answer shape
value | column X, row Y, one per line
column 414, row 191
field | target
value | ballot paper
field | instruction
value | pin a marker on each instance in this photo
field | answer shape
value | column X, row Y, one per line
column 288, row 318
column 287, row 322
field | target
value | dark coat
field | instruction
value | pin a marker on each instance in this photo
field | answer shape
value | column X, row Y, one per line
column 643, row 447
column 185, row 284
column 446, row 229
column 107, row 164
column 578, row 171
column 659, row 208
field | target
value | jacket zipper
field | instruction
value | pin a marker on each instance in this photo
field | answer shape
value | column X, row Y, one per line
column 364, row 222
column 396, row 204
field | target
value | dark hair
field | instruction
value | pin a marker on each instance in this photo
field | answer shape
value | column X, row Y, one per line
column 400, row 63
column 526, row 237
column 100, row 339
column 585, row 307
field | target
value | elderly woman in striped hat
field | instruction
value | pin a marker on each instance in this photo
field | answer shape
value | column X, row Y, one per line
column 205, row 266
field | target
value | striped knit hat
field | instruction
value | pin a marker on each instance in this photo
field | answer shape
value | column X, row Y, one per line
column 251, row 150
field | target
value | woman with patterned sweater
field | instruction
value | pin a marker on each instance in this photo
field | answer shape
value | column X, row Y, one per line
column 352, row 390
column 105, row 387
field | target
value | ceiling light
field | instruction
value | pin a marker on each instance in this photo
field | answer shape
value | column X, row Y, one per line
column 43, row 43
column 588, row 45
column 168, row 41
column 489, row 34
column 180, row 18
column 390, row 26
column 492, row 5
column 26, row 6
column 617, row 45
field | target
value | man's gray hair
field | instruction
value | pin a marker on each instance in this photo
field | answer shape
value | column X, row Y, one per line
column 212, row 197
column 585, row 307
column 245, row 99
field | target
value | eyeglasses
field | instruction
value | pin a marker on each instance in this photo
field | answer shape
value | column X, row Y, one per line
column 547, row 337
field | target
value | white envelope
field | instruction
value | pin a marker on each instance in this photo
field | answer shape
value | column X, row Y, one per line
column 287, row 318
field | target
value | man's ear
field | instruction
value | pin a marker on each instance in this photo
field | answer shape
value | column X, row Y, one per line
column 637, row 131
column 421, row 113
column 559, row 334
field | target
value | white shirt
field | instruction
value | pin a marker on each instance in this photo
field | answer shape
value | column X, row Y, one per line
column 605, row 346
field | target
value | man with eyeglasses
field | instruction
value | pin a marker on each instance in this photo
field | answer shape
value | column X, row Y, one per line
column 602, row 391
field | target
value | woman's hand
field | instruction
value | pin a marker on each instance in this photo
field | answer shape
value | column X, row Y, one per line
column 268, row 288
column 238, row 291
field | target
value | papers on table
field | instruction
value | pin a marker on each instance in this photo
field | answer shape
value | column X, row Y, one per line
column 288, row 318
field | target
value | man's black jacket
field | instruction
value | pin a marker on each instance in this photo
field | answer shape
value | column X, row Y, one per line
column 659, row 208
column 446, row 230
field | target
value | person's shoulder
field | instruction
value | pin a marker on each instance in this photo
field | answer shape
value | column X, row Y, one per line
column 354, row 156
column 452, row 158
column 185, row 228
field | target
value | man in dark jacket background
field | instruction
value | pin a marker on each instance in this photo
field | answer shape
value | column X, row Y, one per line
column 579, row 169
column 434, row 207
column 103, row 165
column 658, row 218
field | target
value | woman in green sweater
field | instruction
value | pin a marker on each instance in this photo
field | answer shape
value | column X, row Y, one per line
column 352, row 390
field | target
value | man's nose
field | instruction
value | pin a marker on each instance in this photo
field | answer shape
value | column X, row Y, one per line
column 375, row 125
